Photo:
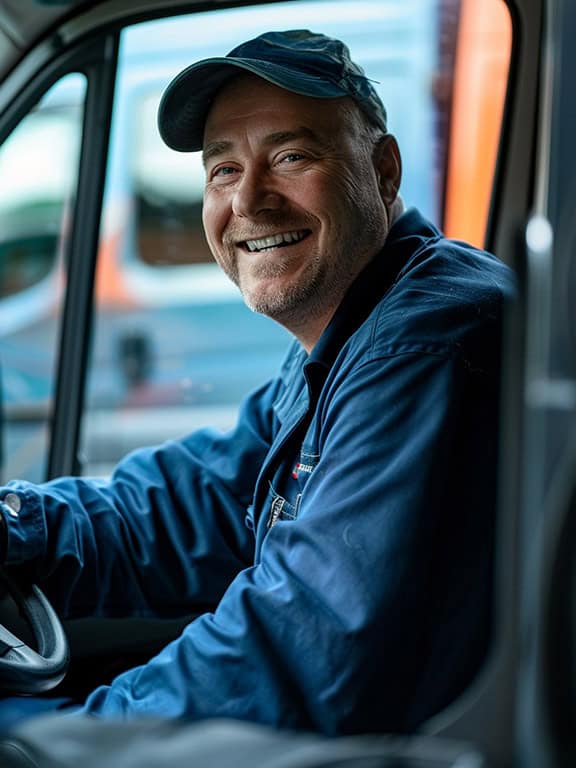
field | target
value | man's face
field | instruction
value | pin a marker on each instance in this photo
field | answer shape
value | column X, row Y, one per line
column 293, row 203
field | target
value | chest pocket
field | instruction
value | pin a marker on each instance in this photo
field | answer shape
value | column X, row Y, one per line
column 285, row 491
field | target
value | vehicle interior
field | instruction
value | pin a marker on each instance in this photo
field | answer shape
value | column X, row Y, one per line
column 102, row 262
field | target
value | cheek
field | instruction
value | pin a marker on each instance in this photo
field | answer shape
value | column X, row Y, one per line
column 345, row 186
column 358, row 185
column 342, row 199
column 213, row 221
column 359, row 191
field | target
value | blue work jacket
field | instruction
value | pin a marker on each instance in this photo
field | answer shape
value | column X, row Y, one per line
column 337, row 544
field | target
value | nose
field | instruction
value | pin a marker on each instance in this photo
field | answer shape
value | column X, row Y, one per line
column 255, row 194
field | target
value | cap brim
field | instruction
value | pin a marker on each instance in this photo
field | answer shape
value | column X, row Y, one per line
column 187, row 99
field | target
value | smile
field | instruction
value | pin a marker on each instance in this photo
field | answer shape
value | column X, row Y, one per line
column 276, row 241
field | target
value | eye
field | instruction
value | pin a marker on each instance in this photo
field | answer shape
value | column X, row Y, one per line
column 223, row 172
column 291, row 157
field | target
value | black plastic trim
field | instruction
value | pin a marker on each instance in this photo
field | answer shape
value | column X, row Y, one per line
column 97, row 60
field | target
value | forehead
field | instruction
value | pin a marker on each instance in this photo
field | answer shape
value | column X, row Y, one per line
column 248, row 102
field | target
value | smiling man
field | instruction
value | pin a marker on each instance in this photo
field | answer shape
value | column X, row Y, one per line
column 297, row 199
column 338, row 543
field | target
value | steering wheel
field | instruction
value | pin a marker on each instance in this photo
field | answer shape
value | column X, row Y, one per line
column 22, row 669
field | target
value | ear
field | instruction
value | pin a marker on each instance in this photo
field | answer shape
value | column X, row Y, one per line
column 388, row 165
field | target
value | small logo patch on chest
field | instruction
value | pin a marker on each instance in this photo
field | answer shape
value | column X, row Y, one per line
column 300, row 467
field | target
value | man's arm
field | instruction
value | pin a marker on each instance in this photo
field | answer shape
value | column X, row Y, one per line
column 371, row 609
column 165, row 534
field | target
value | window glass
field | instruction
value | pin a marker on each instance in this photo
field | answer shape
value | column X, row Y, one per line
column 38, row 171
column 174, row 346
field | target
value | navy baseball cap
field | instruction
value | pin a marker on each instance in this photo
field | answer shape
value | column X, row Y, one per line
column 298, row 60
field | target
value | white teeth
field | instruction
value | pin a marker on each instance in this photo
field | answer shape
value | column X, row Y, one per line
column 274, row 240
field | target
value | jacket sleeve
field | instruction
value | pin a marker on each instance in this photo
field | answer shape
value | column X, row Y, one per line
column 370, row 610
column 163, row 537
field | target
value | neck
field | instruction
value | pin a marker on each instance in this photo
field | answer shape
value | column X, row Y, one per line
column 310, row 332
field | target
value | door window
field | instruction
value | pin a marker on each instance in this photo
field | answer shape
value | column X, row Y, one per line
column 173, row 345
column 38, row 174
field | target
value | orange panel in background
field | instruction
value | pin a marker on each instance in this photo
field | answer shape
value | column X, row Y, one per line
column 110, row 286
column 481, row 71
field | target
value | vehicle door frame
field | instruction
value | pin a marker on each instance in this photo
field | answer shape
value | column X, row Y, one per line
column 96, row 59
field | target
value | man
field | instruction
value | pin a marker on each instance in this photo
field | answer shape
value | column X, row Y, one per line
column 338, row 543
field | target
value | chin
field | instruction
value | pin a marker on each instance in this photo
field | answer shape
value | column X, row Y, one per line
column 271, row 304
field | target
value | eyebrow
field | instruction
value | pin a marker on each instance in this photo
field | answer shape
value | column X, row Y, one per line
column 215, row 148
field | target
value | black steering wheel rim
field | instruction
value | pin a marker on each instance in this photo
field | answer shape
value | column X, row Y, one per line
column 24, row 670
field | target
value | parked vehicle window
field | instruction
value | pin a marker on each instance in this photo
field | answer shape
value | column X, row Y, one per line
column 38, row 172
column 168, row 192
